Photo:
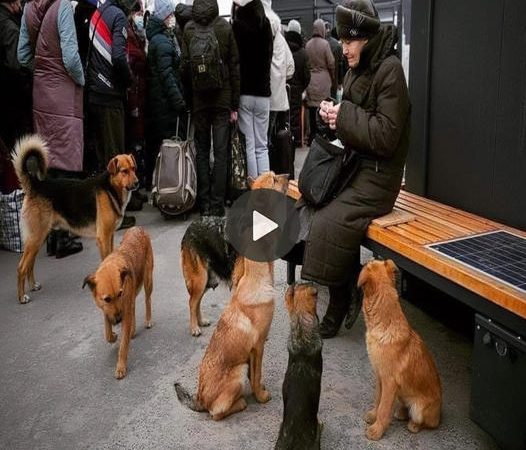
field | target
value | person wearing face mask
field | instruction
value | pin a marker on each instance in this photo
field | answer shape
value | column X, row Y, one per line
column 136, row 99
column 165, row 94
column 15, row 80
column 372, row 122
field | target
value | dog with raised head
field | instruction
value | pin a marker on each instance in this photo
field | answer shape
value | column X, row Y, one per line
column 232, row 364
column 404, row 368
column 91, row 208
column 207, row 257
column 115, row 286
column 300, row 428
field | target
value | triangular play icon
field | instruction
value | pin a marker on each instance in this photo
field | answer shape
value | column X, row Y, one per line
column 261, row 225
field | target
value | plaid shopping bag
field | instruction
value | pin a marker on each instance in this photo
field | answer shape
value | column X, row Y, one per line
column 10, row 218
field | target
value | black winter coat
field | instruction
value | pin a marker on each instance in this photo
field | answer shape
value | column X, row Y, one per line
column 301, row 78
column 255, row 44
column 204, row 12
column 165, row 94
column 373, row 121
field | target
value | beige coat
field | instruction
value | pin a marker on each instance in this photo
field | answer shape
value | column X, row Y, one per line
column 321, row 62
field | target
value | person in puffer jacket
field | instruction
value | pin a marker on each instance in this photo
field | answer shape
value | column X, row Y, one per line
column 373, row 123
column 165, row 91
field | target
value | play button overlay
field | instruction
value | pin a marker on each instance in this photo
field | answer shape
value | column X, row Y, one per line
column 263, row 225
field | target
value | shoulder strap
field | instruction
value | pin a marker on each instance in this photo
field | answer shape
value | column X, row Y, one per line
column 46, row 9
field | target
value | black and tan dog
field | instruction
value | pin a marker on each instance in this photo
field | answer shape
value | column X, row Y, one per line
column 206, row 256
column 91, row 208
column 116, row 284
column 300, row 429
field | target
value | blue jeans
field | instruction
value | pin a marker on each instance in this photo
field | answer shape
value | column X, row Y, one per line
column 253, row 116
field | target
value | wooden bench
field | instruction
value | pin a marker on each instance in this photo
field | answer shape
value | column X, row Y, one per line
column 417, row 222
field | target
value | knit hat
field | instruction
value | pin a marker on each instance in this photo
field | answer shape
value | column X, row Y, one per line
column 163, row 8
column 294, row 25
column 357, row 19
column 127, row 5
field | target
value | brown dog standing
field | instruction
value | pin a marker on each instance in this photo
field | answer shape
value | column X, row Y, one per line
column 91, row 208
column 403, row 366
column 116, row 284
column 235, row 353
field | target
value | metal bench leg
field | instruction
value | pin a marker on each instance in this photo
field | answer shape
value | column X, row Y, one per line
column 291, row 273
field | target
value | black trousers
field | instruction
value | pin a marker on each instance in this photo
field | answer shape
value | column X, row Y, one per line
column 313, row 125
column 106, row 125
column 211, row 131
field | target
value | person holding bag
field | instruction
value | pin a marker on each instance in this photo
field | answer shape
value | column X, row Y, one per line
column 372, row 123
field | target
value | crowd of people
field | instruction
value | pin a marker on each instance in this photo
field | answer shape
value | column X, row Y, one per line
column 96, row 79
column 107, row 78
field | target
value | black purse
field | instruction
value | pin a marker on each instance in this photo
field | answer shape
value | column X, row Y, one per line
column 323, row 171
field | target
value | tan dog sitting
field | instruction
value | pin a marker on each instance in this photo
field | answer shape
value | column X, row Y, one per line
column 116, row 284
column 403, row 366
column 234, row 355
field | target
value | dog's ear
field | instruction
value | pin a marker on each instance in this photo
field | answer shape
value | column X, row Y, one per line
column 113, row 166
column 133, row 160
column 289, row 297
column 90, row 281
column 392, row 270
column 365, row 276
column 125, row 272
column 250, row 181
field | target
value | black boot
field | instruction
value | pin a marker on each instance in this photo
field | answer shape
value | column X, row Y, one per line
column 66, row 245
column 339, row 301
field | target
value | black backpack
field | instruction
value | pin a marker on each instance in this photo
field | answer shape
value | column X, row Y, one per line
column 205, row 59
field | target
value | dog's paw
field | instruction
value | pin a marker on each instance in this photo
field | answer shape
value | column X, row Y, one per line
column 148, row 324
column 370, row 417
column 414, row 427
column 263, row 396
column 374, row 432
column 196, row 331
column 36, row 287
column 112, row 338
column 204, row 323
column 120, row 372
column 24, row 299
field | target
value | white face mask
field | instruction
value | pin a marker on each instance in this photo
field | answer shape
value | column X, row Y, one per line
column 139, row 22
column 170, row 21
column 242, row 2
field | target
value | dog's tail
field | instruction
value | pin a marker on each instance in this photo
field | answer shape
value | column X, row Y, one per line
column 30, row 160
column 187, row 399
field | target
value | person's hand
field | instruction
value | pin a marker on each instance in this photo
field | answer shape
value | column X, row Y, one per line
column 134, row 112
column 333, row 116
column 233, row 116
column 325, row 106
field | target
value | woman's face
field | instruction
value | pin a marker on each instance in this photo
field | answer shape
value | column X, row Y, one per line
column 352, row 51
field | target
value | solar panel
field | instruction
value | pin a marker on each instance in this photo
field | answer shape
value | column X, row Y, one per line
column 499, row 254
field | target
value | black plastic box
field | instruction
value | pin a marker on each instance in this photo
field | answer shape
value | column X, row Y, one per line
column 498, row 389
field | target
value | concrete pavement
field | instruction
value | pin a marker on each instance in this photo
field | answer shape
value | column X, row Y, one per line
column 57, row 389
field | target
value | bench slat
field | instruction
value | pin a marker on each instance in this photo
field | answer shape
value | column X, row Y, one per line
column 422, row 200
column 477, row 226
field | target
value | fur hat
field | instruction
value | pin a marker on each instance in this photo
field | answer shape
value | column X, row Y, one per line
column 163, row 8
column 357, row 19
column 294, row 25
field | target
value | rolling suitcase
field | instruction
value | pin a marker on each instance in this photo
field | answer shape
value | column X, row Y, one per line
column 174, row 178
